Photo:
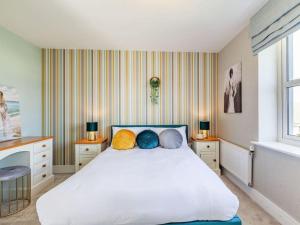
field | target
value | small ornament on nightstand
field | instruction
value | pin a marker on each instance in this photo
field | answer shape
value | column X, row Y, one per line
column 199, row 136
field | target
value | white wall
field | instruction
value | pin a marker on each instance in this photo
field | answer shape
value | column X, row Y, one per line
column 276, row 175
column 268, row 76
column 239, row 128
column 20, row 67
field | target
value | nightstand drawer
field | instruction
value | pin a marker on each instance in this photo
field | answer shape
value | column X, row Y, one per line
column 210, row 160
column 205, row 146
column 208, row 150
column 85, row 160
column 86, row 150
column 90, row 149
column 207, row 154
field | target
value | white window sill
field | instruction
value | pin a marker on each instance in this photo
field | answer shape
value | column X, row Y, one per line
column 279, row 147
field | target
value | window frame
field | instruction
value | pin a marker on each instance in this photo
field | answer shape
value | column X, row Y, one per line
column 286, row 83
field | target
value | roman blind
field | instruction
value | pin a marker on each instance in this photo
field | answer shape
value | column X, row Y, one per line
column 276, row 20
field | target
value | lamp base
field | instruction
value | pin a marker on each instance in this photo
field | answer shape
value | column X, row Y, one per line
column 205, row 134
column 91, row 136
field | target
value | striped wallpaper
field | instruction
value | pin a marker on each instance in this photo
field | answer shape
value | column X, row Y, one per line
column 112, row 87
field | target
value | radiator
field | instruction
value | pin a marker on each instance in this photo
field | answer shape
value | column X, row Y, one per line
column 237, row 160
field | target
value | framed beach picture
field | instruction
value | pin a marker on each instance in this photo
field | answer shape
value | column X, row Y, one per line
column 10, row 121
column 233, row 89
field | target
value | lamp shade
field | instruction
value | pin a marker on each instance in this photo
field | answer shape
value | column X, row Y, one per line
column 91, row 126
column 204, row 125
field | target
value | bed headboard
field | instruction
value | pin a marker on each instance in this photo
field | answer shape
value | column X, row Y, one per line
column 149, row 125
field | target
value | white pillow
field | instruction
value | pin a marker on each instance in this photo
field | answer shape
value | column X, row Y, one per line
column 135, row 130
column 157, row 130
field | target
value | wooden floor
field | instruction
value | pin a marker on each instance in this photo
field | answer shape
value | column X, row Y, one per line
column 249, row 212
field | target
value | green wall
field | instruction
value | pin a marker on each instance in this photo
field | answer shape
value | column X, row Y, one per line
column 20, row 67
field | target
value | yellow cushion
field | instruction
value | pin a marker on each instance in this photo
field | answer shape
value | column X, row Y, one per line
column 123, row 140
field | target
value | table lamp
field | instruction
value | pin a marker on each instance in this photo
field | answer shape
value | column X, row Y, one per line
column 92, row 128
column 204, row 126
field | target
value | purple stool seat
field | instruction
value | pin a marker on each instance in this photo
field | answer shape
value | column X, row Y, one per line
column 13, row 172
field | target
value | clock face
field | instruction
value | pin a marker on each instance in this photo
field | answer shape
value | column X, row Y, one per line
column 154, row 82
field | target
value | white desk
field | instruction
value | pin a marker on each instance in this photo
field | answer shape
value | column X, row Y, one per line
column 35, row 152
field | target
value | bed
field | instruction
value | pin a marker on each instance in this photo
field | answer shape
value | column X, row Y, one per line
column 141, row 187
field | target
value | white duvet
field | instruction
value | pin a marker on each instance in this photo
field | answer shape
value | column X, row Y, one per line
column 139, row 187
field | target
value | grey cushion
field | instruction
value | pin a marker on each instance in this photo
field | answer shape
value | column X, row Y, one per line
column 170, row 138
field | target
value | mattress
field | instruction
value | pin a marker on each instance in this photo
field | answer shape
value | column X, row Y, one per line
column 139, row 187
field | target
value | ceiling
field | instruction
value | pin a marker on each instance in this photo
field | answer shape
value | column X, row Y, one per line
column 170, row 25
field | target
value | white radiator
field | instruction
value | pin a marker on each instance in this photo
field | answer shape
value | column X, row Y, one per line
column 237, row 160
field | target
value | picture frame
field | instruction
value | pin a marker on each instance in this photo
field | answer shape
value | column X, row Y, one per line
column 233, row 89
column 10, row 118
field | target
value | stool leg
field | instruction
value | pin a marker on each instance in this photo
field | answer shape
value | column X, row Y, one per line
column 29, row 188
column 23, row 191
column 9, row 194
column 17, row 199
column 1, row 198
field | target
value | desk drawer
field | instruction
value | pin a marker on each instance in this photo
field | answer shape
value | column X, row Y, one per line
column 40, row 177
column 41, row 167
column 42, row 146
column 40, row 157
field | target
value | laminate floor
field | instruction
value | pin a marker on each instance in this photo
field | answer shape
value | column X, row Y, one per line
column 249, row 211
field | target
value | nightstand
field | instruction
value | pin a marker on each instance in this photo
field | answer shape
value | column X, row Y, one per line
column 86, row 150
column 208, row 150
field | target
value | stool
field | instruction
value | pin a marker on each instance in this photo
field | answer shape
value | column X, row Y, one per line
column 15, row 189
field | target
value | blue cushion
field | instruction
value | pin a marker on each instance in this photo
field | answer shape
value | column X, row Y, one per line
column 147, row 139
column 170, row 138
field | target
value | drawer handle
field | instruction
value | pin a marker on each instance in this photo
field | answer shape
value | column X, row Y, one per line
column 44, row 146
column 44, row 165
column 215, row 160
column 44, row 175
column 44, row 156
column 87, row 149
column 80, row 164
column 207, row 146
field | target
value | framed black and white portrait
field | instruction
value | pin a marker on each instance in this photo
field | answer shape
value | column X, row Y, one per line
column 233, row 89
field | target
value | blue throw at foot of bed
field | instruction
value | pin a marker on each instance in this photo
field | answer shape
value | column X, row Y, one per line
column 234, row 221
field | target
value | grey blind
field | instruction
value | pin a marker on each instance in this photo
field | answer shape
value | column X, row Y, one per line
column 276, row 20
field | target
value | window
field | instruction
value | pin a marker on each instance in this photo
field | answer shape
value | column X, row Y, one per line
column 291, row 87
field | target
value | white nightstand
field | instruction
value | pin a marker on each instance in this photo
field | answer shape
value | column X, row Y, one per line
column 86, row 150
column 208, row 150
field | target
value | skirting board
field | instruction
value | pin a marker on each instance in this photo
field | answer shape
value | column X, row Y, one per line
column 64, row 169
column 279, row 214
